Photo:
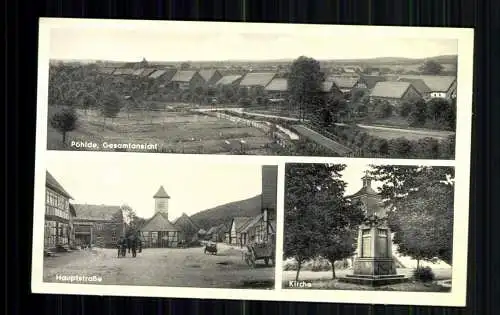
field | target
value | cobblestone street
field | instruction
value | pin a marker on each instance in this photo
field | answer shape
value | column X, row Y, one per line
column 176, row 267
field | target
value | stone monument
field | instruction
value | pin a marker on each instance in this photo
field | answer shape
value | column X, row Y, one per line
column 374, row 264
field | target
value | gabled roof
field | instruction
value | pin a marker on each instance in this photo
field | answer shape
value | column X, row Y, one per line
column 372, row 80
column 147, row 72
column 327, row 86
column 212, row 230
column 138, row 71
column 390, row 89
column 277, row 84
column 257, row 79
column 343, row 82
column 240, row 222
column 183, row 76
column 228, row 79
column 124, row 71
column 166, row 74
column 251, row 223
column 52, row 183
column 208, row 74
column 106, row 70
column 161, row 193
column 436, row 83
column 96, row 212
column 184, row 223
column 418, row 84
column 159, row 223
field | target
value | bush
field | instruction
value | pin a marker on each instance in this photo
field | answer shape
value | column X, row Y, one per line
column 424, row 274
column 384, row 110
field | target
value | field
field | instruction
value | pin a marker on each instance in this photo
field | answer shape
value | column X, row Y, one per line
column 174, row 130
column 408, row 133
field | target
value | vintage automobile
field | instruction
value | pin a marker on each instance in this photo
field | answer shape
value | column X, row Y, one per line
column 260, row 250
column 210, row 248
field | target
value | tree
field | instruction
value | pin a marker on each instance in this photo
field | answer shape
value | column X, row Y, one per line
column 341, row 220
column 431, row 67
column 64, row 121
column 418, row 114
column 399, row 147
column 185, row 65
column 420, row 201
column 88, row 101
column 442, row 112
column 304, row 83
column 111, row 105
column 304, row 219
column 383, row 110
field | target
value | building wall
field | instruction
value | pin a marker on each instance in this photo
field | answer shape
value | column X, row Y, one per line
column 411, row 93
column 102, row 233
column 161, row 205
column 196, row 81
column 161, row 239
column 233, row 235
column 58, row 220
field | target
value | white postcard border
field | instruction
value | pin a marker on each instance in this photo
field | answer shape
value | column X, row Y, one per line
column 457, row 297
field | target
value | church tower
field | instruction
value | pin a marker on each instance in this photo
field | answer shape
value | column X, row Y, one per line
column 161, row 201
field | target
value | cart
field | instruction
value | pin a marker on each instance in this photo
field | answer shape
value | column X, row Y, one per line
column 211, row 248
column 257, row 251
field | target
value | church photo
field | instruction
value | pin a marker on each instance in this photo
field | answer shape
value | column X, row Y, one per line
column 368, row 227
column 150, row 221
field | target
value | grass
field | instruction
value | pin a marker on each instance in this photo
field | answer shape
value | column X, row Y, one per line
column 175, row 130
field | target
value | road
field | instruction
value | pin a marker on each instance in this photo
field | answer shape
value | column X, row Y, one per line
column 176, row 267
column 401, row 132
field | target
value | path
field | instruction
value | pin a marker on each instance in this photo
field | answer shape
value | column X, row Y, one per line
column 322, row 140
column 188, row 267
column 439, row 134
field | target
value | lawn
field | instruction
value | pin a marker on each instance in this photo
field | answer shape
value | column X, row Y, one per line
column 176, row 130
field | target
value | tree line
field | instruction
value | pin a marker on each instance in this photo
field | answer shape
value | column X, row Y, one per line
column 320, row 221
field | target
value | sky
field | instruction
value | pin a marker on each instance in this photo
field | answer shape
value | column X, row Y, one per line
column 102, row 178
column 164, row 45
column 352, row 175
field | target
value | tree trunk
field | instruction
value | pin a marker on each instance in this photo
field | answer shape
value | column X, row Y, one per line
column 418, row 263
column 299, row 264
column 64, row 138
column 334, row 276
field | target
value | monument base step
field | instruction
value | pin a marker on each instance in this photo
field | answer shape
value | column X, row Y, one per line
column 374, row 281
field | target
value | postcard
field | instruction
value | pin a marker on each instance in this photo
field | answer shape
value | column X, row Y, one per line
column 185, row 159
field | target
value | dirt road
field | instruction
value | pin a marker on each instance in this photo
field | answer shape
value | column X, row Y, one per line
column 176, row 267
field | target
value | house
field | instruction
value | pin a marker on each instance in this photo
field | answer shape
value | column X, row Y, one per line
column 99, row 225
column 345, row 83
column 252, row 232
column 106, row 70
column 211, row 76
column 257, row 80
column 232, row 80
column 202, row 233
column 237, row 224
column 189, row 230
column 187, row 80
column 220, row 234
column 158, row 231
column 395, row 92
column 329, row 89
column 268, row 201
column 420, row 86
column 211, row 233
column 277, row 89
column 59, row 228
column 369, row 81
column 440, row 86
column 163, row 76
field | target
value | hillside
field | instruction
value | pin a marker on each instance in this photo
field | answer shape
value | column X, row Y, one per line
column 224, row 213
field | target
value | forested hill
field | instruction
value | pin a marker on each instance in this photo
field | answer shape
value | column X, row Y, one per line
column 224, row 213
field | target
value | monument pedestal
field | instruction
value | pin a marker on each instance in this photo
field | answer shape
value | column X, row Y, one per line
column 374, row 265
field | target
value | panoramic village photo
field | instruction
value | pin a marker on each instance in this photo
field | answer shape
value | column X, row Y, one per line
column 355, row 227
column 144, row 221
column 251, row 94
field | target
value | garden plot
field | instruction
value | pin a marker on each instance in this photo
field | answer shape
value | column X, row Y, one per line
column 174, row 131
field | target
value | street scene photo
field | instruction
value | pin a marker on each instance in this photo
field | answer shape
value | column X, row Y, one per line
column 281, row 94
column 144, row 220
column 368, row 227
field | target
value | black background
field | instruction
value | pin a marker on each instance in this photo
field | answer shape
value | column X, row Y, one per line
column 21, row 27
